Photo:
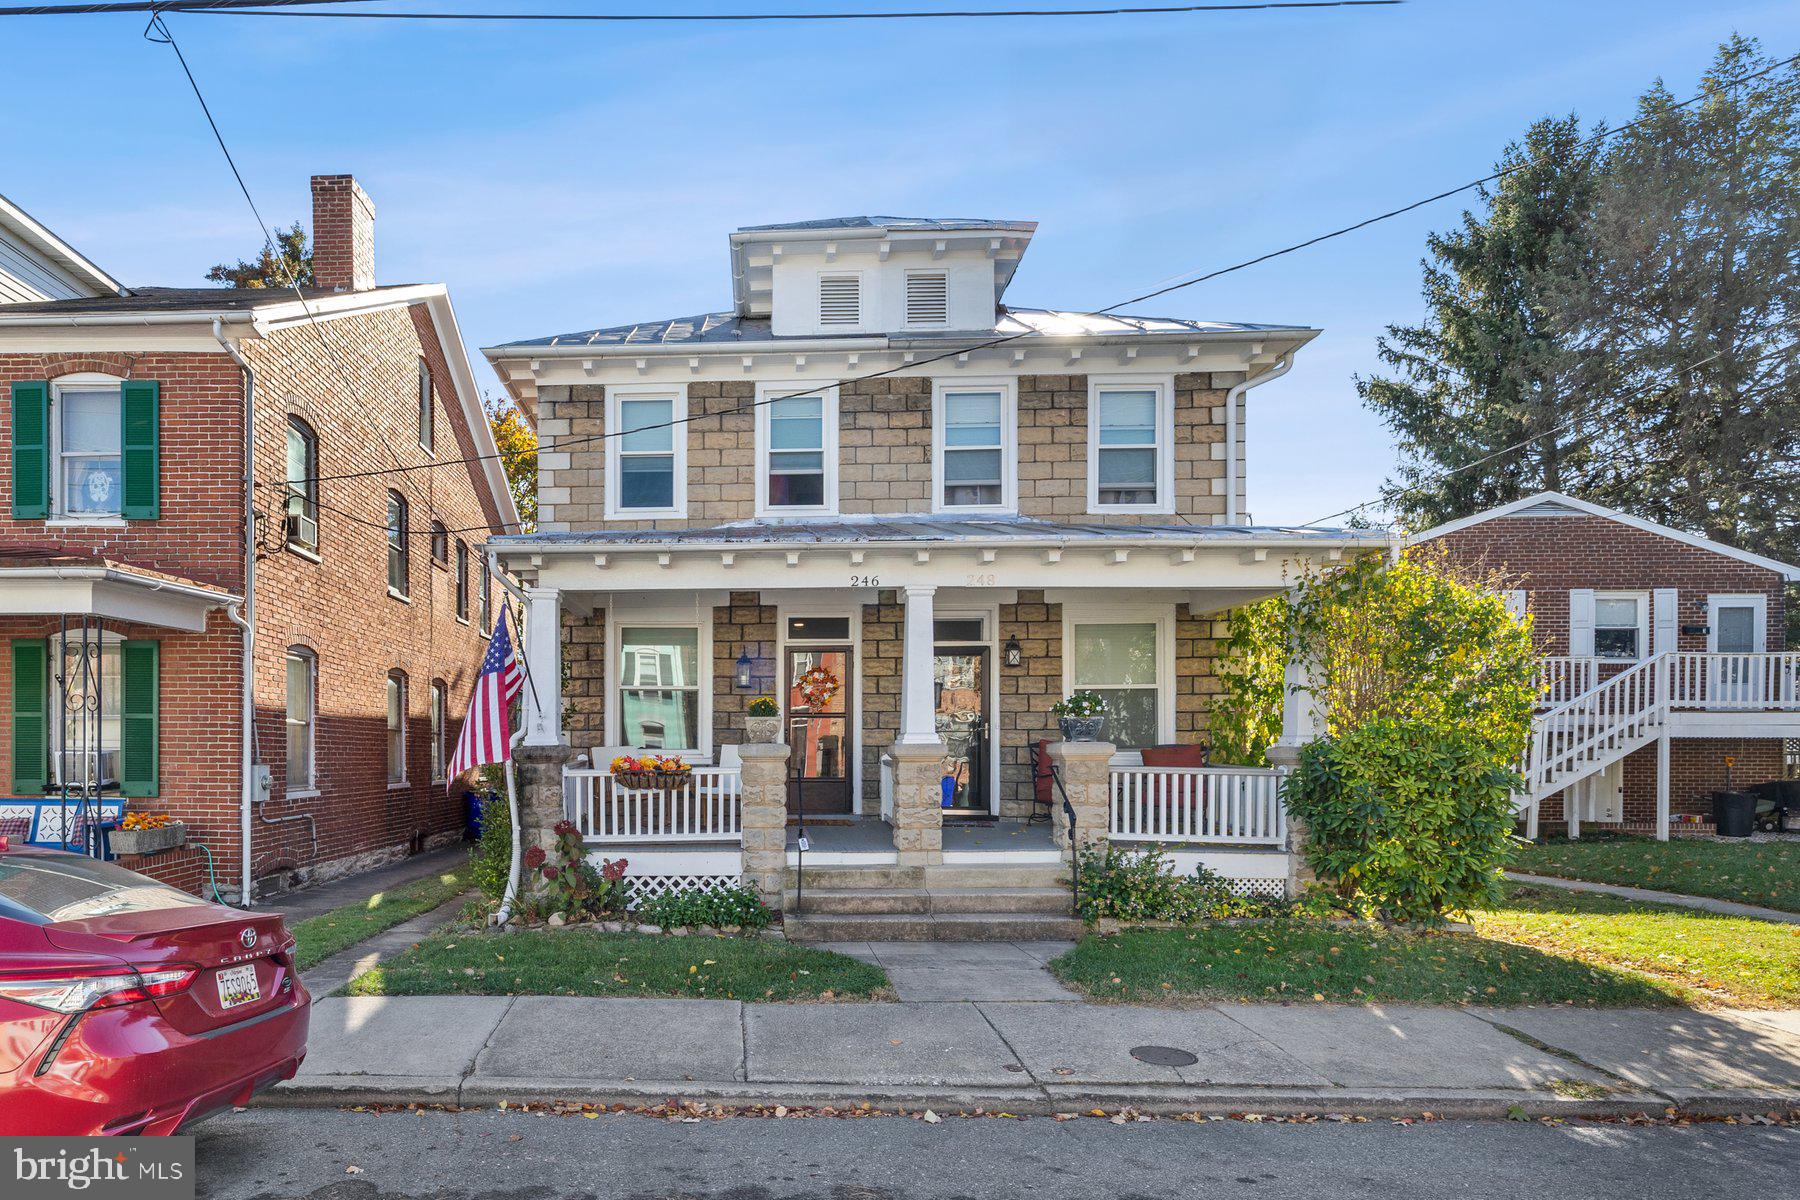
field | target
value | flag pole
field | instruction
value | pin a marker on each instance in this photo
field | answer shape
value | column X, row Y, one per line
column 511, row 896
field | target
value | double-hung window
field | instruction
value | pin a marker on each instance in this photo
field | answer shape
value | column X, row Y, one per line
column 659, row 687
column 1130, row 429
column 302, row 712
column 1619, row 625
column 302, row 486
column 89, row 448
column 647, row 452
column 437, row 731
column 398, row 557
column 462, row 580
column 972, row 445
column 1123, row 660
column 396, row 728
column 797, row 446
column 427, row 415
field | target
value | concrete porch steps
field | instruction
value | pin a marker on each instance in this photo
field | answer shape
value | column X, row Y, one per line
column 930, row 927
column 981, row 902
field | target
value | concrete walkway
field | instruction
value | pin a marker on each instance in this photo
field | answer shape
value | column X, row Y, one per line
column 1033, row 1057
column 949, row 971
column 310, row 902
column 329, row 975
column 1726, row 908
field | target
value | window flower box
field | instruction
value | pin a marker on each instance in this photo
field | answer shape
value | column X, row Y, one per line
column 152, row 840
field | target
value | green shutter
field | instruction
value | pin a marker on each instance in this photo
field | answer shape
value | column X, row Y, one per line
column 31, row 451
column 138, row 735
column 138, row 402
column 30, row 715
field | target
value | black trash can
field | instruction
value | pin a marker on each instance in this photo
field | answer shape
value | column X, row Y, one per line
column 1734, row 813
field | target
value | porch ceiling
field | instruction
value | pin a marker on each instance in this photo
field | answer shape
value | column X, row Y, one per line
column 934, row 551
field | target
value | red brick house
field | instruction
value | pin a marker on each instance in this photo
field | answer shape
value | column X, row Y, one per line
column 142, row 567
column 1656, row 644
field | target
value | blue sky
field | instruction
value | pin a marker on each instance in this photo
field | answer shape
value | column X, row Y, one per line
column 563, row 177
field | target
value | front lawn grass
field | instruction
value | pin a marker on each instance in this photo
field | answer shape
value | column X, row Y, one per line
column 318, row 938
column 586, row 962
column 1765, row 873
column 1318, row 960
column 1710, row 958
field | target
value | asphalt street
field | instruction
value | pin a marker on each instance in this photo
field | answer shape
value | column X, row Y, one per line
column 327, row 1154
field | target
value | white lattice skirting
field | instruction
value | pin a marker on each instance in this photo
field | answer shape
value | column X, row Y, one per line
column 645, row 888
column 1249, row 872
column 652, row 871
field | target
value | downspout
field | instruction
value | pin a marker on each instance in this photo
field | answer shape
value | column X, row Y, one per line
column 246, row 620
column 504, row 914
column 1232, row 399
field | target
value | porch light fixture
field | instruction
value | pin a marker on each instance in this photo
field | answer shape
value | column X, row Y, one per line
column 743, row 670
column 1014, row 655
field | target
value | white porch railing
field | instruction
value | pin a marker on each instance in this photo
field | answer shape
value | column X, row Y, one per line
column 1235, row 805
column 1737, row 682
column 708, row 808
column 1562, row 677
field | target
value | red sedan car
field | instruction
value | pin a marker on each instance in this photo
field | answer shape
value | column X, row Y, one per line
column 129, row 1007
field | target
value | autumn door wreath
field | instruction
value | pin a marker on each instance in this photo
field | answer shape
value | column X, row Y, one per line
column 817, row 687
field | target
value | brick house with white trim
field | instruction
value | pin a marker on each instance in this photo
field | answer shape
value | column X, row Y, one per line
column 136, row 579
column 1700, row 624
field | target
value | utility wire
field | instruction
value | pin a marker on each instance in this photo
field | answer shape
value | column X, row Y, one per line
column 249, row 8
column 563, row 443
column 149, row 6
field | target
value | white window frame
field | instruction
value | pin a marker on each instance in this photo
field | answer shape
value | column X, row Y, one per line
column 1643, row 623
column 459, row 581
column 1164, row 386
column 634, row 617
column 56, row 735
column 439, row 720
column 1163, row 617
column 1757, row 602
column 394, row 676
column 677, row 395
column 311, row 786
column 427, row 409
column 403, row 548
column 906, row 299
column 1009, row 442
column 84, row 381
column 766, row 395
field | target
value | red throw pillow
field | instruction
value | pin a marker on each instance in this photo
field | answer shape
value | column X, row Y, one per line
column 1174, row 756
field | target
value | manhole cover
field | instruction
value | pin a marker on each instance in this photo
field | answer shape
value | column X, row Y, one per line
column 1163, row 1056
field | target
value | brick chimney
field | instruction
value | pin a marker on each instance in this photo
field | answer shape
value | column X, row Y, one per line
column 343, row 234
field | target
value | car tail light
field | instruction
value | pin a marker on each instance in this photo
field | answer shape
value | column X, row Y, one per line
column 68, row 992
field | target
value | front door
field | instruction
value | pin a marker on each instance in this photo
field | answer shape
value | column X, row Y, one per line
column 817, row 683
column 960, row 677
column 1737, row 629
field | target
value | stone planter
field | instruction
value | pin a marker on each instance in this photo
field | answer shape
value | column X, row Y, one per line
column 1081, row 729
column 655, row 781
column 763, row 730
column 148, row 841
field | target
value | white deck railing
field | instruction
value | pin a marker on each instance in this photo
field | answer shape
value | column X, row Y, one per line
column 1562, row 677
column 1737, row 682
column 1235, row 805
column 708, row 807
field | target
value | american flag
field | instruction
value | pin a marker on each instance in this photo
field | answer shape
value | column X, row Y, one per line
column 487, row 729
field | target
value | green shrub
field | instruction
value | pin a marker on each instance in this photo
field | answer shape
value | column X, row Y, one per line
column 732, row 905
column 1408, row 818
column 491, row 859
column 1141, row 885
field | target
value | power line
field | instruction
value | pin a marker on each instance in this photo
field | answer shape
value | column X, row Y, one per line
column 149, row 6
column 1113, row 308
column 249, row 9
column 1590, row 415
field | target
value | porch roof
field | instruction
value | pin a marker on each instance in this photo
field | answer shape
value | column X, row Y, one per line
column 36, row 583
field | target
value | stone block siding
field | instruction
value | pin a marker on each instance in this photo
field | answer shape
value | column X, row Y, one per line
column 878, row 658
column 744, row 624
column 584, row 678
column 1026, row 693
column 884, row 442
column 1552, row 555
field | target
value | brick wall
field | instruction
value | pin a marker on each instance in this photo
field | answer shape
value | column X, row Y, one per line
column 884, row 441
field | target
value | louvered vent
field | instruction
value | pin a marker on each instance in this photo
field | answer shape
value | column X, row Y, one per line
column 928, row 298
column 840, row 300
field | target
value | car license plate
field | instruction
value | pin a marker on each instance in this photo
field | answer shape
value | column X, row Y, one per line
column 237, row 985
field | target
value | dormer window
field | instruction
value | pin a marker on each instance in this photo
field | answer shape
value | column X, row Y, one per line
column 927, row 298
column 840, row 300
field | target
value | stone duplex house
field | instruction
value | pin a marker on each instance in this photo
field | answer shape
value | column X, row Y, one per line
column 276, row 657
column 915, row 516
column 1666, row 669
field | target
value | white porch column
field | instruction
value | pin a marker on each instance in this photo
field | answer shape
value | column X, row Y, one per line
column 1302, row 716
column 1662, row 786
column 918, row 703
column 543, row 660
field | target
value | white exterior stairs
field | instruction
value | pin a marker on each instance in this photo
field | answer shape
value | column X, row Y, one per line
column 1583, row 736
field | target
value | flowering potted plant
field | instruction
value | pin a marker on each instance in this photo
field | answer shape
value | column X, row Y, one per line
column 1080, row 716
column 147, row 833
column 763, row 722
column 663, row 772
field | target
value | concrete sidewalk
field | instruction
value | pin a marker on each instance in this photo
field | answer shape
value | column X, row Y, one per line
column 312, row 901
column 1036, row 1057
column 1725, row 908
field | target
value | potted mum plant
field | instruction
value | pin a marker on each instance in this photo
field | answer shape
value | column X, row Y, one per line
column 1080, row 716
column 763, row 722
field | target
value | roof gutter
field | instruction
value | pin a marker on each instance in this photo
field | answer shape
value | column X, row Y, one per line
column 109, row 575
column 526, row 544
column 947, row 345
column 59, row 321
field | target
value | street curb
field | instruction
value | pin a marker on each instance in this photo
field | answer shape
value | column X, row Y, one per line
column 1035, row 1100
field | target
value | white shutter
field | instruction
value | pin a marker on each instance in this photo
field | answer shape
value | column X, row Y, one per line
column 1581, row 622
column 1515, row 603
column 927, row 298
column 840, row 299
column 1665, row 612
